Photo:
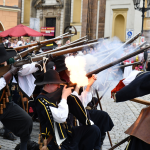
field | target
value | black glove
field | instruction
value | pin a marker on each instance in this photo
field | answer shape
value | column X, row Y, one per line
column 8, row 76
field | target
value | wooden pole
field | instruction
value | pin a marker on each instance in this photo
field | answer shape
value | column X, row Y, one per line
column 140, row 101
column 118, row 144
column 102, row 109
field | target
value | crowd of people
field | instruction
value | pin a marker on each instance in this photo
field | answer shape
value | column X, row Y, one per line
column 65, row 121
column 68, row 116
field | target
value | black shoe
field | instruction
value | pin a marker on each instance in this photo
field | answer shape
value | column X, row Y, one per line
column 9, row 136
column 2, row 130
column 33, row 145
column 30, row 146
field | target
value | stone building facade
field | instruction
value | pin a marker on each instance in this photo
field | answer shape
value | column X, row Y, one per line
column 121, row 17
column 88, row 16
column 51, row 13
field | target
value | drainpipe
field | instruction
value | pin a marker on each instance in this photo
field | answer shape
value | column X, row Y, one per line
column 98, row 6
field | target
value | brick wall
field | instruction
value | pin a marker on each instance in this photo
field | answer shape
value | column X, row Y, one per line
column 101, row 18
column 89, row 18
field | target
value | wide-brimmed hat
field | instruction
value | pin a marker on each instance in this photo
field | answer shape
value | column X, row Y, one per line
column 60, row 63
column 51, row 76
column 5, row 54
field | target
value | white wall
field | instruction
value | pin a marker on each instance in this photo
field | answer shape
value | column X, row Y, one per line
column 134, row 20
column 50, row 2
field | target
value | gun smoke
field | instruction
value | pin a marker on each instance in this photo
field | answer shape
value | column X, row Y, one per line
column 105, row 52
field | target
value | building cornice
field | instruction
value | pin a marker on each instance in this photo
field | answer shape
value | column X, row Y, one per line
column 8, row 8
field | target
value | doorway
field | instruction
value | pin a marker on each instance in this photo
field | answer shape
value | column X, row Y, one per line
column 119, row 27
column 51, row 22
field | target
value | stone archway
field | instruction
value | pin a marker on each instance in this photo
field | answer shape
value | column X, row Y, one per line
column 1, row 27
column 1, row 30
column 119, row 27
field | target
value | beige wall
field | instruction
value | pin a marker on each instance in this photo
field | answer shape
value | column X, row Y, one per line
column 27, row 8
column 9, row 2
column 76, row 11
column 8, row 19
column 76, row 17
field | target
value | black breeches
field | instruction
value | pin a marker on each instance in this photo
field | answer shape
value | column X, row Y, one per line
column 83, row 138
column 17, row 121
column 101, row 119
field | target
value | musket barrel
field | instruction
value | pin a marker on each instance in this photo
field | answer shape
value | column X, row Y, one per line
column 63, row 47
column 116, row 62
column 24, row 53
column 131, row 64
column 79, row 39
column 44, row 42
column 58, row 53
column 122, row 46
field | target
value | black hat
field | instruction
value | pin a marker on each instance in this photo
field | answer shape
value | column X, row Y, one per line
column 60, row 63
column 51, row 76
column 5, row 54
column 49, row 65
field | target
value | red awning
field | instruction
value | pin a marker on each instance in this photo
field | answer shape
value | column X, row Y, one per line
column 20, row 30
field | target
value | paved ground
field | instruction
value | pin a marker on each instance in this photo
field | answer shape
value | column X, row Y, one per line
column 122, row 114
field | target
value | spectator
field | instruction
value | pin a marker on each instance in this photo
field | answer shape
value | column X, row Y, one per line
column 27, row 41
column 68, row 42
column 31, row 41
column 13, row 43
column 84, row 51
column 20, row 42
column 59, row 43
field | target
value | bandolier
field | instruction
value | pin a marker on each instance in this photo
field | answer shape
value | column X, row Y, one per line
column 5, row 94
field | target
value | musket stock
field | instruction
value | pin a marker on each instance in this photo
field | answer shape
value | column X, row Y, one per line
column 116, row 62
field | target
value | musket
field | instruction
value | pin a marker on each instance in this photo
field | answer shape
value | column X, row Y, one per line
column 120, row 143
column 116, row 62
column 131, row 64
column 66, row 35
column 123, row 46
column 140, row 101
column 63, row 52
column 83, row 38
column 24, row 53
column 96, row 40
column 102, row 108
column 28, row 60
column 63, row 47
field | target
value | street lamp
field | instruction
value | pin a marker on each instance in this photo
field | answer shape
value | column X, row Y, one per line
column 143, row 9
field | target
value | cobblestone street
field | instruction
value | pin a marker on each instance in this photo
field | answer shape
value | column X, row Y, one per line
column 122, row 114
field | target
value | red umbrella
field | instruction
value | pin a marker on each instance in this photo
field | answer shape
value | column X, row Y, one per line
column 20, row 30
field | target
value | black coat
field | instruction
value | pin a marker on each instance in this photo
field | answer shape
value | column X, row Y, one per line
column 140, row 86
